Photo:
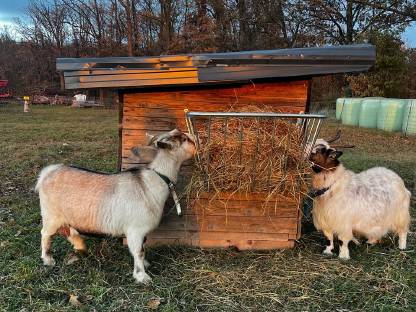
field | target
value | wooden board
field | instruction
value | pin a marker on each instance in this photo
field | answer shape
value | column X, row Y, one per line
column 129, row 83
column 224, row 242
column 116, row 71
column 155, row 112
column 130, row 76
column 252, row 241
column 240, row 220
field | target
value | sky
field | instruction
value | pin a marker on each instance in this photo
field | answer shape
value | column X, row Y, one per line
column 10, row 9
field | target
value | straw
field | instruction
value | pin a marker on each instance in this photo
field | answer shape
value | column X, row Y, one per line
column 249, row 155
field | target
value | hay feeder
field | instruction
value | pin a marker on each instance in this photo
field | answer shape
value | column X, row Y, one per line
column 249, row 178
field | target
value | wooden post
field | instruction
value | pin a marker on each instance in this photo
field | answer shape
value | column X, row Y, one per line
column 102, row 93
column 308, row 96
column 120, row 128
column 115, row 98
column 62, row 81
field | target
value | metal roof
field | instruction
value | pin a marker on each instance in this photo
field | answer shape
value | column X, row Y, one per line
column 124, row 72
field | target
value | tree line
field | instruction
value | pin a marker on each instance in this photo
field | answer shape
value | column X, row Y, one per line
column 80, row 28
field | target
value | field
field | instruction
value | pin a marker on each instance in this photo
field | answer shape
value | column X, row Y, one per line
column 378, row 278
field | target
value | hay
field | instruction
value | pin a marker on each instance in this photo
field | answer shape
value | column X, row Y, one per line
column 250, row 155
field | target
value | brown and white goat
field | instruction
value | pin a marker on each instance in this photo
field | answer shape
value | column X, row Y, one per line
column 131, row 203
column 369, row 204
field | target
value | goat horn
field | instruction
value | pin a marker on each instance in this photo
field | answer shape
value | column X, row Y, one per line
column 336, row 137
column 342, row 146
column 158, row 138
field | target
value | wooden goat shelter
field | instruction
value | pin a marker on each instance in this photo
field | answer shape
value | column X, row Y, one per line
column 153, row 93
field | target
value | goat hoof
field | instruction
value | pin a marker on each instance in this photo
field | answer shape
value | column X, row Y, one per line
column 344, row 257
column 146, row 263
column 48, row 261
column 76, row 255
column 142, row 278
column 327, row 252
column 72, row 259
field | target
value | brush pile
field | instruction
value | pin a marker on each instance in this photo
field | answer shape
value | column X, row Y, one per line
column 250, row 155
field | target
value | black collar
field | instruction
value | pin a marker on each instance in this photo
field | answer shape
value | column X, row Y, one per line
column 319, row 192
column 168, row 181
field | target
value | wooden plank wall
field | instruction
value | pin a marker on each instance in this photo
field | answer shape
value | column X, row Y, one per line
column 247, row 223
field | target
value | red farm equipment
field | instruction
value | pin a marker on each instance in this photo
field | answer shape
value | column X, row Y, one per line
column 4, row 93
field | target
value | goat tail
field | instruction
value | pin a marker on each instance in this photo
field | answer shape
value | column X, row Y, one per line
column 409, row 194
column 406, row 209
column 44, row 173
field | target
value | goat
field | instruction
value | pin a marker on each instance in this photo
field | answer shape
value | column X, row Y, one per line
column 75, row 201
column 370, row 204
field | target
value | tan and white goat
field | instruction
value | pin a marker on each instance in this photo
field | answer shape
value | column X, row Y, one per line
column 75, row 201
column 369, row 204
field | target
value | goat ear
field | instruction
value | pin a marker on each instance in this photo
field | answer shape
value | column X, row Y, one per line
column 335, row 154
column 149, row 137
column 191, row 137
column 164, row 145
column 176, row 131
column 144, row 154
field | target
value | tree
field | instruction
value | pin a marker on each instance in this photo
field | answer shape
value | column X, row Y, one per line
column 87, row 28
column 350, row 21
column 130, row 24
column 412, row 73
column 389, row 77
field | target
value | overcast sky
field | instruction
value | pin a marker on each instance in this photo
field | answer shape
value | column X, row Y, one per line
column 15, row 8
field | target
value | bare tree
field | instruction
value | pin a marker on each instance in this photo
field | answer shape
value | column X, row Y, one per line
column 50, row 20
column 78, row 28
column 130, row 21
column 346, row 21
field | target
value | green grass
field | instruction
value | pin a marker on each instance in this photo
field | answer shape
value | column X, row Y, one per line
column 378, row 278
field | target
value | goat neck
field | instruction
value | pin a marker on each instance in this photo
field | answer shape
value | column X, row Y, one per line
column 167, row 164
column 329, row 178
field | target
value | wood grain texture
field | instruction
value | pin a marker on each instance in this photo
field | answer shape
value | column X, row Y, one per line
column 249, row 244
column 155, row 112
column 131, row 76
column 225, row 241
column 238, row 224
column 239, row 220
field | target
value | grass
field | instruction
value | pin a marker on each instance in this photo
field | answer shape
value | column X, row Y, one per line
column 378, row 278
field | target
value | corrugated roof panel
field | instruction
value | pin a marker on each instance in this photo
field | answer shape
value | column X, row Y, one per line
column 120, row 72
column 231, row 73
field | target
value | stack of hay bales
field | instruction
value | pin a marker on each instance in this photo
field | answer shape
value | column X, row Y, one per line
column 376, row 112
